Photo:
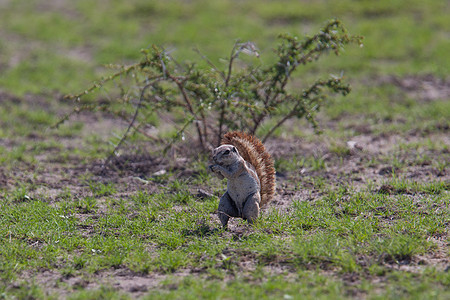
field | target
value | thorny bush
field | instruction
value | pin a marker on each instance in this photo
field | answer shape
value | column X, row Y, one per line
column 212, row 100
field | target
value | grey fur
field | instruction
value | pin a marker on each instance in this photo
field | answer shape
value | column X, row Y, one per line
column 242, row 198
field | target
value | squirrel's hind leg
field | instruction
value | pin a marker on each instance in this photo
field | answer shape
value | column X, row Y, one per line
column 226, row 209
column 251, row 207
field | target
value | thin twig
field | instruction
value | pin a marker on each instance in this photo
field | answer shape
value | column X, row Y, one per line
column 138, row 128
column 223, row 104
column 76, row 111
column 210, row 63
column 287, row 117
column 205, row 128
column 230, row 64
column 178, row 133
column 190, row 108
column 221, row 119
column 97, row 85
column 130, row 125
column 305, row 95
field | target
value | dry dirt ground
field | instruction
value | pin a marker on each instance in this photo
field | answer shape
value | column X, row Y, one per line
column 366, row 163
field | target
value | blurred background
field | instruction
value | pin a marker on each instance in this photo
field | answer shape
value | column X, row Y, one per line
column 62, row 45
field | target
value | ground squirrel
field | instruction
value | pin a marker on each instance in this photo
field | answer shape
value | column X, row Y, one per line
column 244, row 161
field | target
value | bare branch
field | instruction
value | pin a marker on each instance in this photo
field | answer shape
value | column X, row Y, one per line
column 213, row 66
column 144, row 89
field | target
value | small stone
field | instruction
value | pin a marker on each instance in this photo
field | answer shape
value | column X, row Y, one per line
column 160, row 172
column 353, row 145
column 202, row 194
column 386, row 170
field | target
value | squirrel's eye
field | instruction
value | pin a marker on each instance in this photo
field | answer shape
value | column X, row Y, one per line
column 227, row 152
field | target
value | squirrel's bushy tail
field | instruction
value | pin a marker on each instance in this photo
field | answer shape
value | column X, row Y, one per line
column 253, row 151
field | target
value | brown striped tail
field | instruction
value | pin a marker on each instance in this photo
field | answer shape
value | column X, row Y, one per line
column 253, row 151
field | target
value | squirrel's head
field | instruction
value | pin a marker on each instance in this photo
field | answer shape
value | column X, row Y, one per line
column 225, row 155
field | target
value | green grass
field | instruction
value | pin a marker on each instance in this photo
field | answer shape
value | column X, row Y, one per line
column 346, row 231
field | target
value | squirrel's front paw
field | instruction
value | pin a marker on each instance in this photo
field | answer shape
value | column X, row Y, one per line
column 214, row 168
